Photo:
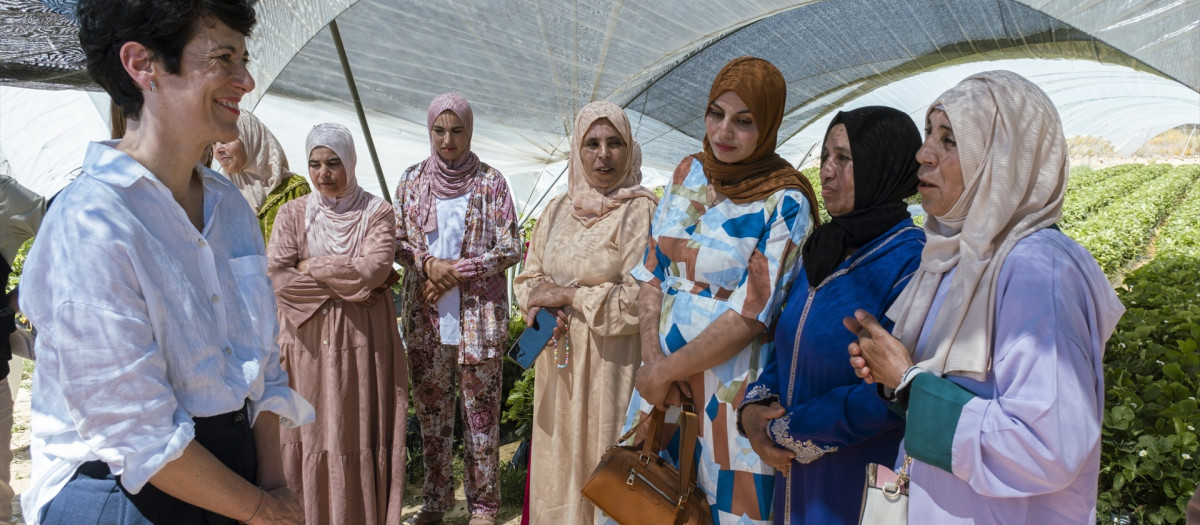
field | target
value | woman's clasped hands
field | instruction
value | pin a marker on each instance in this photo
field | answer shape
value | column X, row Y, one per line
column 443, row 276
column 877, row 356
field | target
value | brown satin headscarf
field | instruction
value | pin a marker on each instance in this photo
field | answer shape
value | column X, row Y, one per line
column 762, row 87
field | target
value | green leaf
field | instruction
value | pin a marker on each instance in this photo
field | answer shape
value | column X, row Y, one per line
column 1119, row 417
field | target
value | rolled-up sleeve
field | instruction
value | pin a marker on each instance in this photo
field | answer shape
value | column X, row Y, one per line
column 275, row 396
column 101, row 363
column 114, row 383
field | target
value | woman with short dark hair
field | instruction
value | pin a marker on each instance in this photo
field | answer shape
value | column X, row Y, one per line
column 160, row 393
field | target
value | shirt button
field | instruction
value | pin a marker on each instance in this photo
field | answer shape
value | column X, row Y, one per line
column 216, row 298
column 324, row 311
column 228, row 351
column 201, row 243
column 325, row 342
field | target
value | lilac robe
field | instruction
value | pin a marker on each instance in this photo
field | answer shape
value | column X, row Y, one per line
column 1026, row 448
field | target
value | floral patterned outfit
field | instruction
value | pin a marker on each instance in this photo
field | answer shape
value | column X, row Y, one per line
column 490, row 245
column 709, row 259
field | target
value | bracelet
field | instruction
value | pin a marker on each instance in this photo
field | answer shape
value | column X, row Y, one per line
column 261, row 500
column 567, row 361
column 908, row 376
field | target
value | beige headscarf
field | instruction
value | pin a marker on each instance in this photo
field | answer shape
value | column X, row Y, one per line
column 337, row 226
column 590, row 201
column 266, row 165
column 1014, row 164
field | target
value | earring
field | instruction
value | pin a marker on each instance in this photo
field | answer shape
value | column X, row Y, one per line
column 153, row 86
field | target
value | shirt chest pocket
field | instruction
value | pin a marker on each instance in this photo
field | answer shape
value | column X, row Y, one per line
column 257, row 297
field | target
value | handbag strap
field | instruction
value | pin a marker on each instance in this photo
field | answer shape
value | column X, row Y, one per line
column 688, row 428
column 902, row 477
column 652, row 443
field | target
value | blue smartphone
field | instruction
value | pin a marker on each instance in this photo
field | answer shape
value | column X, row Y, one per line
column 533, row 339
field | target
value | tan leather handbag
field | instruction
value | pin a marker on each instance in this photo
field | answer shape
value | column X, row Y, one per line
column 636, row 486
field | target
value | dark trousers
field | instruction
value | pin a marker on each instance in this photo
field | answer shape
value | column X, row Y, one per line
column 95, row 496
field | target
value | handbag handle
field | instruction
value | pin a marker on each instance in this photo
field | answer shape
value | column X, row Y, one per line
column 651, row 445
column 688, row 428
column 653, row 441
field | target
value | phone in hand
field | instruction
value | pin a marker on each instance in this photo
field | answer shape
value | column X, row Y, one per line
column 533, row 339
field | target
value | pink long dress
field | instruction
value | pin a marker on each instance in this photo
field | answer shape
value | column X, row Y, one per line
column 345, row 356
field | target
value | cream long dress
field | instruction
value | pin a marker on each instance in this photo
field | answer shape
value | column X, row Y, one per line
column 578, row 410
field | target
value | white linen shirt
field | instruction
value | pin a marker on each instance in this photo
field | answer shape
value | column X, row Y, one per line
column 144, row 323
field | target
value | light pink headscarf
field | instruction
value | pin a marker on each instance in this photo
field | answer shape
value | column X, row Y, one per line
column 336, row 226
column 442, row 180
column 1014, row 167
column 591, row 202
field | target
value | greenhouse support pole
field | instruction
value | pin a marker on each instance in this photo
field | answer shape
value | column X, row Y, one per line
column 543, row 196
column 358, row 108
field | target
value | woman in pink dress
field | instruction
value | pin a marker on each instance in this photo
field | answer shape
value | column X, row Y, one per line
column 330, row 258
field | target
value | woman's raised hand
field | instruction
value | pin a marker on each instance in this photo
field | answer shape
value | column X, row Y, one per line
column 876, row 356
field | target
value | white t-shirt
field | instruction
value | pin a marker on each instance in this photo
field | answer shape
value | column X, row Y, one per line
column 446, row 243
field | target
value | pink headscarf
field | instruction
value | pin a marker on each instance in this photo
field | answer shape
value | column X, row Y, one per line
column 590, row 202
column 441, row 180
column 336, row 226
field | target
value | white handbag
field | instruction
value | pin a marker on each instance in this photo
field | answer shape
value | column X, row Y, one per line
column 885, row 495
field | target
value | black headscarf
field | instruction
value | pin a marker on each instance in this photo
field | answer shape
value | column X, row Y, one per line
column 883, row 144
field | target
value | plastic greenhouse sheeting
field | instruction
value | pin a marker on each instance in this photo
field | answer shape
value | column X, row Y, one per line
column 527, row 66
column 530, row 65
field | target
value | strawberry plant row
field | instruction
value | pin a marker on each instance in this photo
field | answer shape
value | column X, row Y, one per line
column 1095, row 190
column 1082, row 179
column 1118, row 233
column 1150, row 445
